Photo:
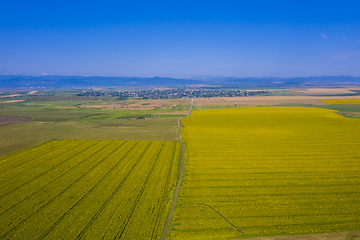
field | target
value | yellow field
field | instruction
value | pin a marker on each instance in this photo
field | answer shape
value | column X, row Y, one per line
column 342, row 101
column 268, row 171
column 87, row 189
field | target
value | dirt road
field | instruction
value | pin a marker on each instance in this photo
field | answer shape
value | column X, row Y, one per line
column 178, row 185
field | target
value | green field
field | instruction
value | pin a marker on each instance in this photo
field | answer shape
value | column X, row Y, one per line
column 60, row 117
column 87, row 189
column 268, row 171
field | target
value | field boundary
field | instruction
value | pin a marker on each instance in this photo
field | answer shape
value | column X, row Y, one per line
column 208, row 206
column 353, row 235
column 178, row 185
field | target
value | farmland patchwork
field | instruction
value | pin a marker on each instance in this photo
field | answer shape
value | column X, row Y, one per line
column 248, row 172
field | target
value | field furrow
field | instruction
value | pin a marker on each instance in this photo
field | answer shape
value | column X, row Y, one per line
column 52, row 185
column 20, row 157
column 38, row 179
column 164, row 193
column 20, row 175
column 124, row 232
column 84, row 197
column 91, row 189
column 48, row 207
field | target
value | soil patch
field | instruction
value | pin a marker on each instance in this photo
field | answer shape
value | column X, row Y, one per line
column 12, row 120
column 12, row 101
column 147, row 104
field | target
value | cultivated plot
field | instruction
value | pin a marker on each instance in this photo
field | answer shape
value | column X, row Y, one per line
column 268, row 171
column 206, row 103
column 87, row 189
column 343, row 101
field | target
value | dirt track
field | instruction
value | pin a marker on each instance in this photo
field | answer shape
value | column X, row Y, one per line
column 178, row 185
column 355, row 235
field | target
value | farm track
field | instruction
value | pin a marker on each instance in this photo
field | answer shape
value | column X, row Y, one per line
column 178, row 185
column 219, row 214
column 320, row 236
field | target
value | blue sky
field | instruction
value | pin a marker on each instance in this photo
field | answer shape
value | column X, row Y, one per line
column 180, row 39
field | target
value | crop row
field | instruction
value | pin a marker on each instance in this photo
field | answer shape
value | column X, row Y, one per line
column 87, row 189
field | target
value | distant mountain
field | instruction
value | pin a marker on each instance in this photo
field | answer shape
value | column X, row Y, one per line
column 280, row 82
column 298, row 81
column 11, row 81
column 211, row 79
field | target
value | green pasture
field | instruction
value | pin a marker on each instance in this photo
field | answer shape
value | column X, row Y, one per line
column 63, row 120
column 352, row 111
column 341, row 107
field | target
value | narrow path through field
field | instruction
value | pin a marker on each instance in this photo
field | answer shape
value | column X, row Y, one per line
column 178, row 185
column 177, row 190
column 355, row 235
column 211, row 208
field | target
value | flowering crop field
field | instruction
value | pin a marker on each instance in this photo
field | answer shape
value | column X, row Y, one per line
column 87, row 189
column 342, row 101
column 268, row 171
